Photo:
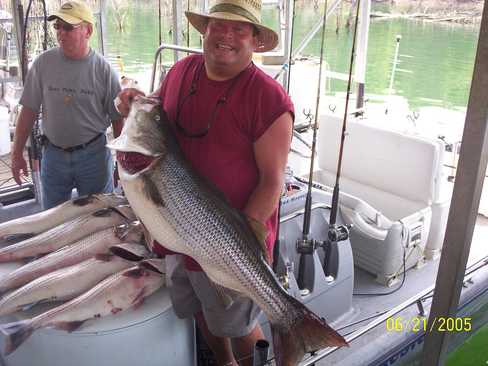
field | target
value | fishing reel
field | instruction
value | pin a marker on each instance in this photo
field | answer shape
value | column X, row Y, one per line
column 335, row 234
column 306, row 246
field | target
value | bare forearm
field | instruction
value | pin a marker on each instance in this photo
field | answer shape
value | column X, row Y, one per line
column 23, row 128
column 265, row 199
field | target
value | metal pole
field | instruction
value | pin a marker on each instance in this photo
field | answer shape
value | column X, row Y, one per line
column 393, row 71
column 464, row 206
column 102, row 37
column 18, row 31
column 362, row 51
column 204, row 6
column 177, row 11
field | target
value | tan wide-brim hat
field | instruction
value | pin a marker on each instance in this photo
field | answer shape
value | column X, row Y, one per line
column 248, row 11
column 73, row 12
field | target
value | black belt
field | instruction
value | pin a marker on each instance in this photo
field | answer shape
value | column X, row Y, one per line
column 77, row 147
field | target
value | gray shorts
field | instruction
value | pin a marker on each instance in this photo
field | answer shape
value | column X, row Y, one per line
column 192, row 292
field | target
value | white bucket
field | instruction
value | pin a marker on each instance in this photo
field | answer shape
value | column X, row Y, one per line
column 4, row 131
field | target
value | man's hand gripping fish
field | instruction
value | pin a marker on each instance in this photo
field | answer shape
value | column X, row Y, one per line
column 188, row 215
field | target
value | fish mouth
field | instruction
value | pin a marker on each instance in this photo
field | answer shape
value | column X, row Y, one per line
column 134, row 162
column 133, row 159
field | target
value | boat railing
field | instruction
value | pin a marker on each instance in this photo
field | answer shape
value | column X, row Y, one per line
column 308, row 38
column 167, row 46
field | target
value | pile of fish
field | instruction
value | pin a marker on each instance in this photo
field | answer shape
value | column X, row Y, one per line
column 189, row 215
column 89, row 252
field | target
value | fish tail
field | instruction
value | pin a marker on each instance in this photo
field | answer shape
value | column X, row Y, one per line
column 16, row 333
column 306, row 333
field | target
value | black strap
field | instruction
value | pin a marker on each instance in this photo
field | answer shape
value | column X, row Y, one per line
column 77, row 147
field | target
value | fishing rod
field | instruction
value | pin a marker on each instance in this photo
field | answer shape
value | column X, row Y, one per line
column 290, row 55
column 286, row 67
column 340, row 232
column 335, row 232
column 277, row 244
column 305, row 246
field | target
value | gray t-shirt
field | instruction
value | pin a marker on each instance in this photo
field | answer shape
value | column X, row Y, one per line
column 76, row 96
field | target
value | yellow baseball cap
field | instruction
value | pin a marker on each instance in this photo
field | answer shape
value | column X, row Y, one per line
column 73, row 12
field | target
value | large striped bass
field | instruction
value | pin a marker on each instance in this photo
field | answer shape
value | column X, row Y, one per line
column 67, row 233
column 114, row 294
column 89, row 246
column 65, row 283
column 188, row 215
column 25, row 227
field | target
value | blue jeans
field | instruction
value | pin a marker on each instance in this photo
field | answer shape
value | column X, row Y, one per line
column 89, row 170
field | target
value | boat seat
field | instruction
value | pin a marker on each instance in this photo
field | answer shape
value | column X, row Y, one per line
column 390, row 183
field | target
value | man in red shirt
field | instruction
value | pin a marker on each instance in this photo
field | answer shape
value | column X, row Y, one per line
column 234, row 124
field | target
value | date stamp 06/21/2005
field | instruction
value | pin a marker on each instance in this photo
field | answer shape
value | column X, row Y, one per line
column 421, row 324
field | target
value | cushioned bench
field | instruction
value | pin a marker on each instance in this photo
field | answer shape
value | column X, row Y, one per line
column 392, row 191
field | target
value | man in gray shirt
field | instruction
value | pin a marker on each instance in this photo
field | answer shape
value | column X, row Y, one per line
column 75, row 87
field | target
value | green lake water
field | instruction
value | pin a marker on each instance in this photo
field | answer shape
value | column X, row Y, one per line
column 435, row 62
column 473, row 352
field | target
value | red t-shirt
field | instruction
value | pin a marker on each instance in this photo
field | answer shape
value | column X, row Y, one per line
column 224, row 155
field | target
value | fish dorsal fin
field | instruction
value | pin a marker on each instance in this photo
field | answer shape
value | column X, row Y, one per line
column 123, row 210
column 130, row 251
column 84, row 200
column 15, row 238
column 103, row 212
column 104, row 257
column 68, row 326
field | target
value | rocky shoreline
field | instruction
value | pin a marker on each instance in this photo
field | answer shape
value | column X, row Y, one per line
column 453, row 11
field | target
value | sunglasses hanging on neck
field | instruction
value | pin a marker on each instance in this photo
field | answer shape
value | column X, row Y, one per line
column 193, row 90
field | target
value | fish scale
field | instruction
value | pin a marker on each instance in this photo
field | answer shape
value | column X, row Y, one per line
column 203, row 223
